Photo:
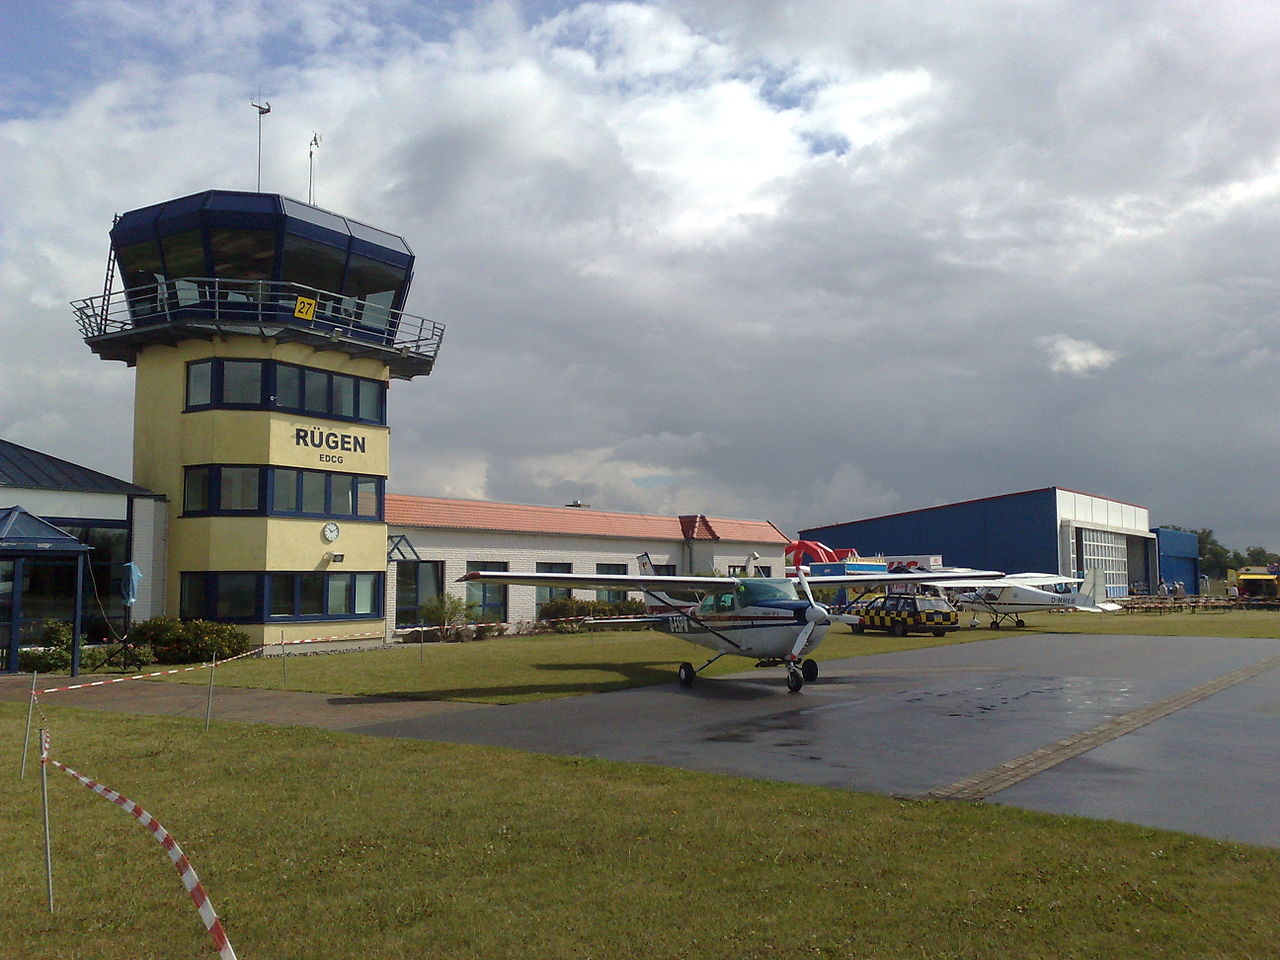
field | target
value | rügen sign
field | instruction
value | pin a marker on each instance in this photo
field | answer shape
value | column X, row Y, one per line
column 317, row 438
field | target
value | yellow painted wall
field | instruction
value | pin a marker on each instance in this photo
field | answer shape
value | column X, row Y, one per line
column 271, row 634
column 166, row 439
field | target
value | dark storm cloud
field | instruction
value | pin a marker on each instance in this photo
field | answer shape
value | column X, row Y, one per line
column 803, row 261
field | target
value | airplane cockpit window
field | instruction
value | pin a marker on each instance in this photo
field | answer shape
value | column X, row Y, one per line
column 716, row 603
column 754, row 591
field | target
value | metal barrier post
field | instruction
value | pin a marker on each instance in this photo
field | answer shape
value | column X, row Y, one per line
column 26, row 736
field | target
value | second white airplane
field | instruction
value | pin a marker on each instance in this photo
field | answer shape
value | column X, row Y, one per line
column 1008, row 598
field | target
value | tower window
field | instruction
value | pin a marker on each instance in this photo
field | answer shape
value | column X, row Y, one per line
column 253, row 597
column 239, row 490
column 195, row 490
column 271, row 385
column 242, row 382
column 199, row 384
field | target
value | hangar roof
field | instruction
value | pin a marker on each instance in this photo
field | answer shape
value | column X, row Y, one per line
column 407, row 511
column 23, row 467
column 962, row 503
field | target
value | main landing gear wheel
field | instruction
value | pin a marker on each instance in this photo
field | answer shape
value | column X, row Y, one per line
column 1019, row 622
column 995, row 624
column 794, row 681
column 809, row 670
column 686, row 674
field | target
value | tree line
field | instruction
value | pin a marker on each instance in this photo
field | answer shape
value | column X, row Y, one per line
column 1216, row 560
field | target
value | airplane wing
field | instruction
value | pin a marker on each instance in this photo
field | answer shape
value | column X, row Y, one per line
column 602, row 581
column 1037, row 580
column 959, row 584
column 1042, row 579
column 619, row 581
column 885, row 579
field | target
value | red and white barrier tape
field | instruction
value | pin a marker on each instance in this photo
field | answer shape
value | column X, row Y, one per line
column 162, row 836
column 141, row 676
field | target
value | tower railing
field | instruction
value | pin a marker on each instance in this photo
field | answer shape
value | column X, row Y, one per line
column 261, row 307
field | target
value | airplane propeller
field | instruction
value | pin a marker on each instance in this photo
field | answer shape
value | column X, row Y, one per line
column 814, row 614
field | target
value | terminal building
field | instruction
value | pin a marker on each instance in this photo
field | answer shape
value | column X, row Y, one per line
column 435, row 541
column 1050, row 530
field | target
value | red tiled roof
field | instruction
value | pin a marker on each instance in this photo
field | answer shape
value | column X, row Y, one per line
column 406, row 511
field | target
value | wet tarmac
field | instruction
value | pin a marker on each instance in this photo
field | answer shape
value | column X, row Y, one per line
column 911, row 723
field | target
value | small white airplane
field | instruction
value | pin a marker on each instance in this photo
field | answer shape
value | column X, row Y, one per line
column 761, row 618
column 1006, row 599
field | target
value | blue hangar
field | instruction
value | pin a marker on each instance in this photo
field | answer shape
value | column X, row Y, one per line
column 1050, row 530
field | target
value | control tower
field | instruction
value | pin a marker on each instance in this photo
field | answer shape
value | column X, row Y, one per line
column 264, row 332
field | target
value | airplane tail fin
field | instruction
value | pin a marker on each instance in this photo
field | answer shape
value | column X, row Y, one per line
column 655, row 601
column 1094, row 590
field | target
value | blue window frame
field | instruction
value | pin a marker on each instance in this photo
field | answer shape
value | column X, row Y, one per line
column 611, row 596
column 226, row 489
column 227, row 383
column 257, row 597
column 490, row 599
column 233, row 490
column 417, row 581
column 543, row 594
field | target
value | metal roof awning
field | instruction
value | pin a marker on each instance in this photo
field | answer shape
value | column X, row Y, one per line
column 24, row 533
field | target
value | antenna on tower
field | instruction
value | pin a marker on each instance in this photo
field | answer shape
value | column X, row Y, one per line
column 263, row 109
column 311, row 167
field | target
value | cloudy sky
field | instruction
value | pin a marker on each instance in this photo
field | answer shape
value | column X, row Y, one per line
column 807, row 261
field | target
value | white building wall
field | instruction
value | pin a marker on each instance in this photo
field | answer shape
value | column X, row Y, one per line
column 67, row 503
column 523, row 551
column 150, row 548
column 1084, row 510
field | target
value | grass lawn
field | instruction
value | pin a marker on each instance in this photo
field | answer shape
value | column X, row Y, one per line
column 315, row 844
column 1227, row 623
column 516, row 669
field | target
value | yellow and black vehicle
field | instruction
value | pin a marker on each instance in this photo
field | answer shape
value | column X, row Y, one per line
column 901, row 614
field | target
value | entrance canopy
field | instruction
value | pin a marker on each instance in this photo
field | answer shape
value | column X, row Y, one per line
column 41, row 578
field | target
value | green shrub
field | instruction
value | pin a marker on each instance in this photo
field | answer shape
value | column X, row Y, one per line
column 125, row 656
column 562, row 608
column 190, row 641
column 483, row 630
column 202, row 640
column 53, row 654
column 450, row 615
column 157, row 633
